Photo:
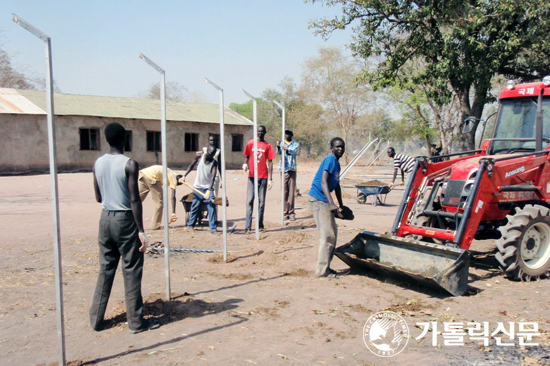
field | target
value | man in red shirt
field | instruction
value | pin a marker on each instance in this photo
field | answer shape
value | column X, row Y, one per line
column 266, row 154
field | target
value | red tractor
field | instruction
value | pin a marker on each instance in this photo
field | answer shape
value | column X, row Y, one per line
column 501, row 191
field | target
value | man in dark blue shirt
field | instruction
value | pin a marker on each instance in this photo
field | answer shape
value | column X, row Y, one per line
column 327, row 179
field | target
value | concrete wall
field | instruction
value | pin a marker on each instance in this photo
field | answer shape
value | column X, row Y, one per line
column 24, row 142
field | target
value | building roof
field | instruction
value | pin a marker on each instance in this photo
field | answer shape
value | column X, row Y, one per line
column 14, row 101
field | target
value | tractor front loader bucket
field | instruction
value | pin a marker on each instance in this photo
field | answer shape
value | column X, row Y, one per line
column 436, row 266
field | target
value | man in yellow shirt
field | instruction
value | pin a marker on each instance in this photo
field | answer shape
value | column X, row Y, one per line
column 151, row 181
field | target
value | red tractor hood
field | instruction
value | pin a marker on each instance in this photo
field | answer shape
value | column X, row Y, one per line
column 462, row 170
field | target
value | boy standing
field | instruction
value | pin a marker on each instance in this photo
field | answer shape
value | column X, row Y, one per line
column 322, row 205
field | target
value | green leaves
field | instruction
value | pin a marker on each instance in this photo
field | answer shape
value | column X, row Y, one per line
column 463, row 43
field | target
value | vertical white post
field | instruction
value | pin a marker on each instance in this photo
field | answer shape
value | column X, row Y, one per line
column 222, row 154
column 52, row 152
column 222, row 147
column 283, row 161
column 256, row 194
column 256, row 191
column 165, row 196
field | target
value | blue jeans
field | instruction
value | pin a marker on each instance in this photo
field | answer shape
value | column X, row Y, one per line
column 195, row 206
column 262, row 190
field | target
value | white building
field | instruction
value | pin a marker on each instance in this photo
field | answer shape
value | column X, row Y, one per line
column 80, row 121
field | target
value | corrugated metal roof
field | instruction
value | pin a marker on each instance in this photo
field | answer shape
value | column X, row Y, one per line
column 34, row 102
column 12, row 102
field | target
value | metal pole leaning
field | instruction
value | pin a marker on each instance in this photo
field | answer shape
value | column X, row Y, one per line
column 372, row 156
column 283, row 161
column 256, row 194
column 164, row 169
column 356, row 158
column 52, row 151
column 380, row 154
column 222, row 154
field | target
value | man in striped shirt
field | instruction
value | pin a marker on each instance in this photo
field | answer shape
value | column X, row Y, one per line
column 400, row 161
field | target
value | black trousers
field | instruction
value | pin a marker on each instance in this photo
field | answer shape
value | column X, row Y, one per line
column 262, row 190
column 118, row 238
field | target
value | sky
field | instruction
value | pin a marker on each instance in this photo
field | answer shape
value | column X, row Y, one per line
column 238, row 44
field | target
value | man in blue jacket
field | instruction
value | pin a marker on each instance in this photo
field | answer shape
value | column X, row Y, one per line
column 288, row 150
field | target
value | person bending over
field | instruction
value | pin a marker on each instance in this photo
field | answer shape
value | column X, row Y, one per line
column 151, row 181
column 204, row 182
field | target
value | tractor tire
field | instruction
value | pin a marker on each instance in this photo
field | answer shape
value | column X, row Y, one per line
column 524, row 247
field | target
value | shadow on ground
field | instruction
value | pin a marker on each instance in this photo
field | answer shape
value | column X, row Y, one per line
column 175, row 310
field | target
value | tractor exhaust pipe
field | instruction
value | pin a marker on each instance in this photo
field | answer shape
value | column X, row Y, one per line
column 436, row 266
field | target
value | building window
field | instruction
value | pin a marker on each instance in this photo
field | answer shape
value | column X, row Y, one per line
column 191, row 142
column 236, row 142
column 129, row 143
column 89, row 139
column 153, row 141
column 216, row 137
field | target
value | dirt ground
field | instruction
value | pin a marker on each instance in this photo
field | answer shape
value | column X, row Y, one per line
column 263, row 307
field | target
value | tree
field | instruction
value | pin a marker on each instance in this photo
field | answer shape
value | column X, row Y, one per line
column 175, row 92
column 462, row 43
column 329, row 79
column 304, row 118
column 11, row 78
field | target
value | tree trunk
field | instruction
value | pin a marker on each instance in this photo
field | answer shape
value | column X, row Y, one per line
column 345, row 132
column 481, row 88
column 465, row 142
column 429, row 144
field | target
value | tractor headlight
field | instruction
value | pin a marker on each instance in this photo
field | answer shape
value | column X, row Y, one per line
column 510, row 84
column 546, row 80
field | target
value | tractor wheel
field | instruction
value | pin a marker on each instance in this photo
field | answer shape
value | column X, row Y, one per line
column 524, row 247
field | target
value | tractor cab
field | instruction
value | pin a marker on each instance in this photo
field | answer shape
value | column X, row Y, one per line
column 516, row 130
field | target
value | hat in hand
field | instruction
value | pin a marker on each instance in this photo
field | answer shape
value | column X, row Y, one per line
column 344, row 213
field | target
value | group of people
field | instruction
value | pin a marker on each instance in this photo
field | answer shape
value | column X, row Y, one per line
column 207, row 181
column 120, row 187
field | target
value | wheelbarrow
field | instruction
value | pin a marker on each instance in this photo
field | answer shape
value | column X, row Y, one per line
column 379, row 193
column 187, row 200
